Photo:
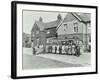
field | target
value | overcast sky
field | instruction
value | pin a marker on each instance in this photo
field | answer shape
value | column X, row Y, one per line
column 29, row 17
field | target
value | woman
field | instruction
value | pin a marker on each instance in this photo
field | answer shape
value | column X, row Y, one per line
column 53, row 49
column 66, row 49
column 33, row 48
column 46, row 49
column 69, row 49
column 77, row 50
column 63, row 49
column 50, row 49
column 60, row 49
column 73, row 49
column 57, row 48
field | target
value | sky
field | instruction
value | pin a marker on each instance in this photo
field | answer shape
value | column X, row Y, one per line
column 29, row 17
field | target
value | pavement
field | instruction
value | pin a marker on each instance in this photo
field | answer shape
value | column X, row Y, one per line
column 84, row 60
column 53, row 60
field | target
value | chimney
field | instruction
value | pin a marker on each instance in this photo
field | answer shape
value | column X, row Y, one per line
column 59, row 17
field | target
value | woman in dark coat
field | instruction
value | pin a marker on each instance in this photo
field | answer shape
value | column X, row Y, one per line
column 55, row 49
column 33, row 48
column 34, row 52
column 69, row 49
column 60, row 49
column 77, row 50
column 50, row 49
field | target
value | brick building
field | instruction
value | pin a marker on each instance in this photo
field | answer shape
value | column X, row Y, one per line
column 41, row 32
column 76, row 26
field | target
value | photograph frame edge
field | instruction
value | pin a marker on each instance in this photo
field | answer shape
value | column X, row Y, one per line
column 14, row 39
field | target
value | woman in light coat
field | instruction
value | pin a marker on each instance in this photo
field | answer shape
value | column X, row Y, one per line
column 57, row 49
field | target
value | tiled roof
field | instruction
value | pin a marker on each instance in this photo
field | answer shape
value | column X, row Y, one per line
column 52, row 24
column 85, row 17
column 43, row 25
column 69, row 17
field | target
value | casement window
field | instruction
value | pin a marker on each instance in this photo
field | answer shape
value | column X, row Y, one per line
column 75, row 27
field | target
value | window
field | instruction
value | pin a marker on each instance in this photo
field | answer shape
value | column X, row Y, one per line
column 75, row 27
column 65, row 27
column 48, row 32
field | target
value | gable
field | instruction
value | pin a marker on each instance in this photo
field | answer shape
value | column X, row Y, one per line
column 40, row 25
column 69, row 27
column 72, row 16
column 69, row 17
column 35, row 27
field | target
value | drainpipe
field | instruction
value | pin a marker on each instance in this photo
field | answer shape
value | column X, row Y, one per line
column 86, row 35
column 82, row 34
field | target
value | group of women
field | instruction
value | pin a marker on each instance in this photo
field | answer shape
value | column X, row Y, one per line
column 67, row 49
column 70, row 49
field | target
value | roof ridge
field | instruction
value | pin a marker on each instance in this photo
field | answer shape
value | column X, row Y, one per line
column 50, row 21
column 61, row 22
column 76, row 16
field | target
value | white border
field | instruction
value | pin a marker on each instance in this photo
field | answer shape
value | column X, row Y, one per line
column 21, row 72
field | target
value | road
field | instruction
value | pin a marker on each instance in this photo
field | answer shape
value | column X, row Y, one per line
column 44, row 60
column 37, row 62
